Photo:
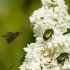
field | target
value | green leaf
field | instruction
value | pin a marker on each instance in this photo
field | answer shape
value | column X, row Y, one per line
column 68, row 31
column 21, row 58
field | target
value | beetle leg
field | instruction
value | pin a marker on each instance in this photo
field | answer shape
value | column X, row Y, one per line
column 67, row 58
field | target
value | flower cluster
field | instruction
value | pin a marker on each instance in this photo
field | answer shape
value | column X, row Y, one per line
column 43, row 54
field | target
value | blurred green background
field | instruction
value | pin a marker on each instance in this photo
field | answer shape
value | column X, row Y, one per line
column 14, row 16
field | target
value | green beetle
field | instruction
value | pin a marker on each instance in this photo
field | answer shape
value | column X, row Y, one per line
column 47, row 34
column 61, row 58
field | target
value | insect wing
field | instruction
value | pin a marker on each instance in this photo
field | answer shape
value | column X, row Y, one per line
column 10, row 33
column 5, row 36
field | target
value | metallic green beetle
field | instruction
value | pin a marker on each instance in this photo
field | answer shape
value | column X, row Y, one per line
column 61, row 58
column 47, row 34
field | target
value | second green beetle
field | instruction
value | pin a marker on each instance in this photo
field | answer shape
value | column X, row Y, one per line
column 61, row 58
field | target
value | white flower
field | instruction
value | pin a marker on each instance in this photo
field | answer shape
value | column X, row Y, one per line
column 66, row 65
column 42, row 55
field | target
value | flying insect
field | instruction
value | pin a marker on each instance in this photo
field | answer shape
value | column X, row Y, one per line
column 10, row 36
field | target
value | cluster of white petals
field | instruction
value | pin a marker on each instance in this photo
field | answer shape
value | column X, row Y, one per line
column 42, row 54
